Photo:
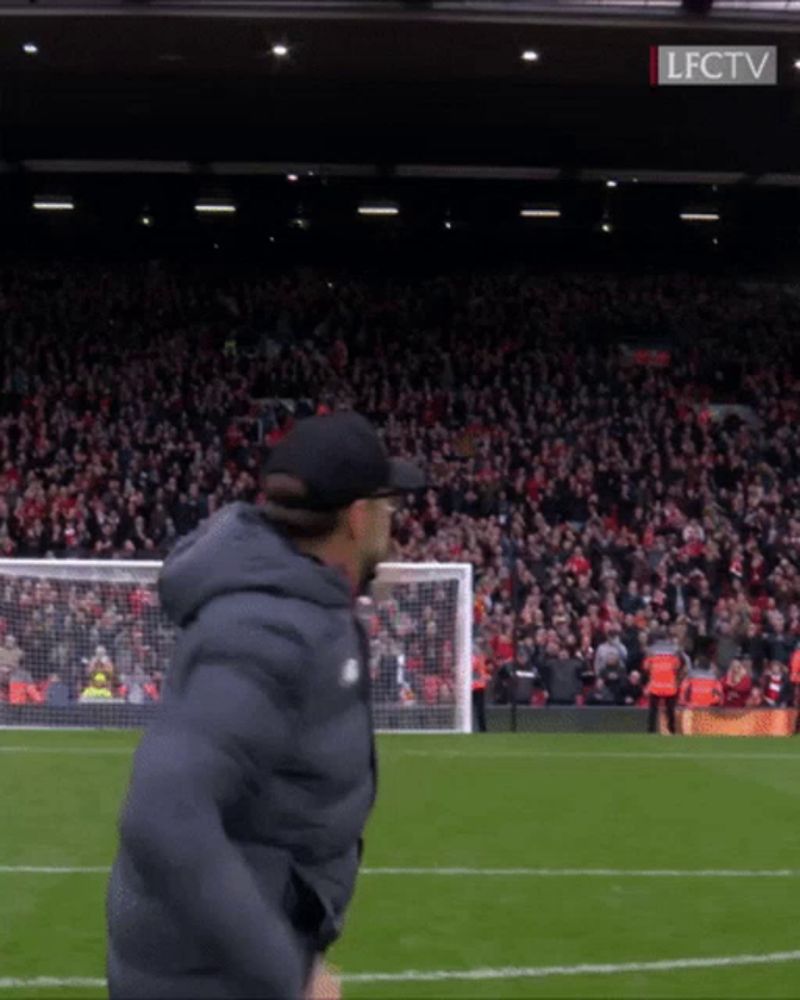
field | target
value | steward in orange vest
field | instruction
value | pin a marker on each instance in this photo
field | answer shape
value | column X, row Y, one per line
column 702, row 688
column 480, row 678
column 662, row 664
column 22, row 690
column 480, row 672
column 794, row 675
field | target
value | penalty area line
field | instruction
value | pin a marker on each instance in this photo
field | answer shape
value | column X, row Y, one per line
column 533, row 755
column 586, row 969
column 464, row 872
column 71, row 751
column 505, row 972
column 591, row 872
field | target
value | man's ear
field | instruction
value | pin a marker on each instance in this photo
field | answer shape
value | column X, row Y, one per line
column 355, row 518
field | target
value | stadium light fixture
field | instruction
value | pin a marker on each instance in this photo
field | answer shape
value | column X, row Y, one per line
column 530, row 56
column 146, row 220
column 280, row 50
column 215, row 208
column 292, row 178
column 607, row 227
column 385, row 208
column 30, row 49
column 700, row 216
column 53, row 204
column 542, row 212
column 611, row 184
column 797, row 64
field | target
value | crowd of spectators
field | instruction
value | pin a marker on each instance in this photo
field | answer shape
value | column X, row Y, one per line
column 71, row 640
column 595, row 495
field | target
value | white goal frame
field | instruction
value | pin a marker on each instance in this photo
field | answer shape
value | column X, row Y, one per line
column 130, row 571
column 438, row 573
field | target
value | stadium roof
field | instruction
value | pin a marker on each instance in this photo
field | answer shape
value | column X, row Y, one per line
column 378, row 85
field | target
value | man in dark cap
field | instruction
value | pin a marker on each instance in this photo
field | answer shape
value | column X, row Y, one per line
column 240, row 837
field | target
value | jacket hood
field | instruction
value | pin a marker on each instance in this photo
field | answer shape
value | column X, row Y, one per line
column 237, row 549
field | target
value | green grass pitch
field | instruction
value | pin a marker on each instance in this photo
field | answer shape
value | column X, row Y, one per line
column 566, row 804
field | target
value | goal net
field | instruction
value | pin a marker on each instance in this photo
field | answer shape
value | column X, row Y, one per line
column 84, row 643
column 419, row 619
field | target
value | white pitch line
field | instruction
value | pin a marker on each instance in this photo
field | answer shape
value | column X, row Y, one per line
column 590, row 872
column 462, row 755
column 75, row 751
column 480, row 872
column 442, row 975
column 52, row 983
column 54, row 870
column 594, row 754
column 544, row 971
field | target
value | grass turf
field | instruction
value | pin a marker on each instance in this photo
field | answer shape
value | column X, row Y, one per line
column 554, row 802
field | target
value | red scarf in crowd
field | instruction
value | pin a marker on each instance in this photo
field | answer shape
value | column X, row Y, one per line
column 773, row 689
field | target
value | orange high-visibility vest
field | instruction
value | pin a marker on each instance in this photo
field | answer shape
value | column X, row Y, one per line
column 702, row 692
column 22, row 693
column 663, row 670
column 35, row 696
column 794, row 667
column 480, row 672
column 17, row 693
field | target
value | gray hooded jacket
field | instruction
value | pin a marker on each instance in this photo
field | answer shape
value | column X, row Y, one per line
column 241, row 834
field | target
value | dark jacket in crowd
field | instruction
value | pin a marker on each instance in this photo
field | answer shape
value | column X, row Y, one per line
column 563, row 679
column 616, row 680
column 631, row 693
column 757, row 649
column 600, row 695
column 630, row 640
column 727, row 650
column 240, row 837
column 781, row 646
column 58, row 694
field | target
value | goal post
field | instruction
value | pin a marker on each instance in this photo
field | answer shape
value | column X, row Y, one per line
column 84, row 643
column 421, row 632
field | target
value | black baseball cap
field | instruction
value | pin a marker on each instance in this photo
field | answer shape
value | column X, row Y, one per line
column 340, row 458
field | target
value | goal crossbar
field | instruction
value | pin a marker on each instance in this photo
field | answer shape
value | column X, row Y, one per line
column 75, row 619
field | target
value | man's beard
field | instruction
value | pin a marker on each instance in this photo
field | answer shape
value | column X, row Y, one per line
column 368, row 574
column 369, row 570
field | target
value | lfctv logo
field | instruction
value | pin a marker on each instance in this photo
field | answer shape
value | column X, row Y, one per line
column 710, row 66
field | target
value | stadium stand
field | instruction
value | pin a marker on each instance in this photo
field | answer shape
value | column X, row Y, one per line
column 599, row 489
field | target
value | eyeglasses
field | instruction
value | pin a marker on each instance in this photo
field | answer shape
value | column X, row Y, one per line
column 394, row 501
